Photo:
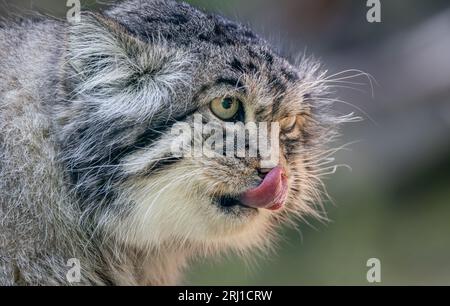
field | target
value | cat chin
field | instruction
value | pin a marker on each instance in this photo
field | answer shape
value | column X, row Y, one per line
column 171, row 208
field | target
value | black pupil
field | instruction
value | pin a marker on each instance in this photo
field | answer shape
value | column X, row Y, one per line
column 227, row 103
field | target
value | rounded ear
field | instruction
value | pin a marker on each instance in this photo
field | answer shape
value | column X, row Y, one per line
column 97, row 42
column 106, row 62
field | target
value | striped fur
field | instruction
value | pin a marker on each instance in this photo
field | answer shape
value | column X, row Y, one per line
column 86, row 112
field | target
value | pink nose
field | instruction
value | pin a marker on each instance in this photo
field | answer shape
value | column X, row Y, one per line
column 270, row 194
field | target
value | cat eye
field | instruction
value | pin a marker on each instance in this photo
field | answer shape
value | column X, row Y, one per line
column 225, row 108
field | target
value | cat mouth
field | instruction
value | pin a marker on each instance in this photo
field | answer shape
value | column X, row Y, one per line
column 271, row 194
column 228, row 202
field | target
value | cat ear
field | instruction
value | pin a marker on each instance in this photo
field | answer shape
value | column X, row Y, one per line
column 108, row 63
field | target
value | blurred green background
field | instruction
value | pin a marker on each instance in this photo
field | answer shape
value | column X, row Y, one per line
column 395, row 203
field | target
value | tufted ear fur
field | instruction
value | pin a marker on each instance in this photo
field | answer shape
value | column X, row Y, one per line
column 117, row 73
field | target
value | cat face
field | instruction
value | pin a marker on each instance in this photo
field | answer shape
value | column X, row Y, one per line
column 145, row 76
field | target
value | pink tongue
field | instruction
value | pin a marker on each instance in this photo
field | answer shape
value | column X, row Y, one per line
column 271, row 194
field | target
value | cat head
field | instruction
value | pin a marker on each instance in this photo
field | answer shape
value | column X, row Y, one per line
column 143, row 73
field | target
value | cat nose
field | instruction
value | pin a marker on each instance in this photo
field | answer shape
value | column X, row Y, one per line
column 270, row 194
column 263, row 171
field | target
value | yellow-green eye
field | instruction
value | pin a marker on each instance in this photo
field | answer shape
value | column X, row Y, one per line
column 225, row 108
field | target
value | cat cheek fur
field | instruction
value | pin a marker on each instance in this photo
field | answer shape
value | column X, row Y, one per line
column 171, row 209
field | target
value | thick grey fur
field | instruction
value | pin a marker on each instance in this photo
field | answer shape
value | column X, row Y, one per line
column 60, row 87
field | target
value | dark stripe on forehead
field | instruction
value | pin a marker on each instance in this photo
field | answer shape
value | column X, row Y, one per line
column 174, row 18
column 268, row 57
column 220, row 81
column 252, row 67
column 220, row 36
column 291, row 76
column 252, row 53
column 230, row 81
column 262, row 56
column 237, row 66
